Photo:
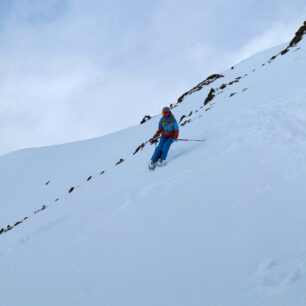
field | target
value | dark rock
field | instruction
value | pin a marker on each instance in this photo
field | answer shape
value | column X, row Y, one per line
column 284, row 51
column 47, row 183
column 182, row 97
column 234, row 81
column 120, row 161
column 2, row 230
column 17, row 223
column 43, row 207
column 296, row 39
column 232, row 94
column 210, row 96
column 212, row 78
column 56, row 200
column 71, row 189
column 298, row 35
column 187, row 121
column 102, row 172
column 273, row 57
column 184, row 116
column 89, row 178
column 145, row 119
column 198, row 87
column 223, row 86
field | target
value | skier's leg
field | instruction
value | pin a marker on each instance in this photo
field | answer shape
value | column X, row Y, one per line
column 158, row 150
column 166, row 148
column 160, row 154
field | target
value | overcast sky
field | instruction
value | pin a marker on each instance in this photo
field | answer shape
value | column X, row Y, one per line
column 76, row 69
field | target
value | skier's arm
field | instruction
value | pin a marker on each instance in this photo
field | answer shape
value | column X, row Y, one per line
column 160, row 128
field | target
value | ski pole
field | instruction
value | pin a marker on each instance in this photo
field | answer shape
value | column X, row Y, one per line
column 182, row 139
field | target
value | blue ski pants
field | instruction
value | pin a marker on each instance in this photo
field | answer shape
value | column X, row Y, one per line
column 161, row 151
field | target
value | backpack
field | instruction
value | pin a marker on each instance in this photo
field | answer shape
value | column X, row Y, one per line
column 170, row 121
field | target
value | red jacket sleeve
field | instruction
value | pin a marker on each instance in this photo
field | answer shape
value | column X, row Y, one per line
column 159, row 131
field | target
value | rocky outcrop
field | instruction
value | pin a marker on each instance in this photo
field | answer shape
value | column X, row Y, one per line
column 298, row 35
column 296, row 39
column 119, row 161
column 71, row 189
column 198, row 87
column 145, row 119
column 210, row 96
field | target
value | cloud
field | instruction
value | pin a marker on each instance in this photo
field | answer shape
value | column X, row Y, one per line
column 74, row 69
column 267, row 39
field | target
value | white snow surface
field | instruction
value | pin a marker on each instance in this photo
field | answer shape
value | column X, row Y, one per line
column 223, row 224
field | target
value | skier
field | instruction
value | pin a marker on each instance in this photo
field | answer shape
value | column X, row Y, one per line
column 168, row 132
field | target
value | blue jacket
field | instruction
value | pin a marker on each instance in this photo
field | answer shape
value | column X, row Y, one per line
column 168, row 127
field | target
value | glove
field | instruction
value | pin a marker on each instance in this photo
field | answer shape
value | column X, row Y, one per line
column 154, row 139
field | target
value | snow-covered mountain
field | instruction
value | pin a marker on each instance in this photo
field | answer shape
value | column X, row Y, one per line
column 223, row 224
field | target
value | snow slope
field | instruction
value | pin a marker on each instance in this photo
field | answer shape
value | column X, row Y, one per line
column 222, row 225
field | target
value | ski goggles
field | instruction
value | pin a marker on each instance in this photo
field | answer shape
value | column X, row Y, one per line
column 166, row 113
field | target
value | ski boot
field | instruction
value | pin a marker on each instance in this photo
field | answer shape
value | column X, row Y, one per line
column 161, row 163
column 152, row 165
